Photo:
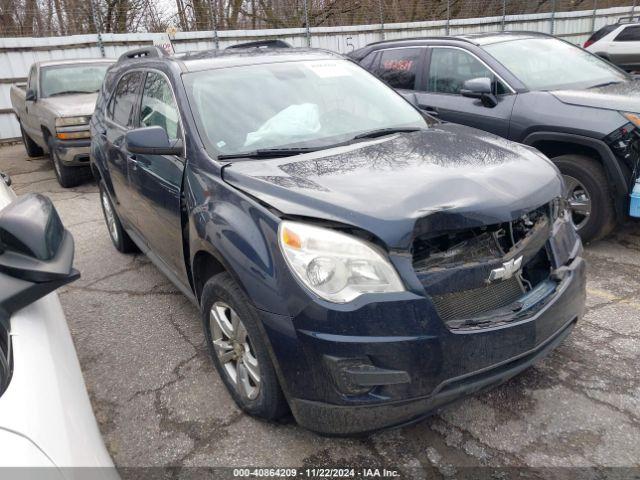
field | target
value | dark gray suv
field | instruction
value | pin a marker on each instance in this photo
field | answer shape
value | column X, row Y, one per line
column 577, row 109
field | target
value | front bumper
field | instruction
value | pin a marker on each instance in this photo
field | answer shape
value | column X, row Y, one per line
column 406, row 335
column 73, row 152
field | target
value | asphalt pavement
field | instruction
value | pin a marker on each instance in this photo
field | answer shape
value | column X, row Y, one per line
column 159, row 401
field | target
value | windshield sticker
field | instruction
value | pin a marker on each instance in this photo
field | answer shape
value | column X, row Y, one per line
column 328, row 69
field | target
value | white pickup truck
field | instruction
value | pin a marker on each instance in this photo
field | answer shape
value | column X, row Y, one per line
column 54, row 108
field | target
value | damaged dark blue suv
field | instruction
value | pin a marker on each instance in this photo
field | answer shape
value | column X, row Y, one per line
column 354, row 260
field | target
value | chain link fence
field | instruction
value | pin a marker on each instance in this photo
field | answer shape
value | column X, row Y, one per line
column 44, row 18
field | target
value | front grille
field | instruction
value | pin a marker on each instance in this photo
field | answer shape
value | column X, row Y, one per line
column 473, row 248
column 455, row 267
column 471, row 303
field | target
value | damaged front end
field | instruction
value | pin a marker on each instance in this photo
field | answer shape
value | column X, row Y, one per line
column 497, row 273
column 625, row 144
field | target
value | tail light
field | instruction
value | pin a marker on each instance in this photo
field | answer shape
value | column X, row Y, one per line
column 588, row 43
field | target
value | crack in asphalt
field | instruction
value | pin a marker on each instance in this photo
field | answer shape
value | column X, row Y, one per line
column 177, row 377
column 127, row 293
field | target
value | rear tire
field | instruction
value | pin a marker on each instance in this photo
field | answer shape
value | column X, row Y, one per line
column 67, row 176
column 238, row 349
column 588, row 193
column 119, row 237
column 32, row 148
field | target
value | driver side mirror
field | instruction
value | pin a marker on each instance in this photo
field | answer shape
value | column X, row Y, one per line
column 480, row 88
column 152, row 141
column 31, row 95
column 36, row 253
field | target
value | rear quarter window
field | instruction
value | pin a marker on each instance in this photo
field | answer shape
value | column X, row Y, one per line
column 603, row 32
column 629, row 34
column 399, row 66
column 368, row 62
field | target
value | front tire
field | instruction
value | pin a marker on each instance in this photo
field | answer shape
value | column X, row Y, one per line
column 67, row 176
column 119, row 237
column 32, row 148
column 238, row 349
column 589, row 194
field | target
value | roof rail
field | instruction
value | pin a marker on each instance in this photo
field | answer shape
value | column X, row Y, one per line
column 262, row 44
column 416, row 39
column 145, row 52
column 630, row 19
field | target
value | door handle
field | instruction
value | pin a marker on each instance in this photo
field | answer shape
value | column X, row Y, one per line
column 132, row 161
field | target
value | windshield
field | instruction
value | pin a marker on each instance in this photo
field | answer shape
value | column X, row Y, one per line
column 312, row 104
column 551, row 64
column 71, row 79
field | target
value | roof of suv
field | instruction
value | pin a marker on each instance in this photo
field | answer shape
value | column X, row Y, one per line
column 235, row 57
column 80, row 61
column 484, row 38
column 477, row 39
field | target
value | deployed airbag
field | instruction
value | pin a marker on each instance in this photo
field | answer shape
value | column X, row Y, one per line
column 294, row 121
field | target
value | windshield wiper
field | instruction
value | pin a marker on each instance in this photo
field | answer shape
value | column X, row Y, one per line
column 605, row 84
column 289, row 152
column 386, row 131
column 270, row 153
column 71, row 92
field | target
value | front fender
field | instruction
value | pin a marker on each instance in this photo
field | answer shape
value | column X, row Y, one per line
column 237, row 231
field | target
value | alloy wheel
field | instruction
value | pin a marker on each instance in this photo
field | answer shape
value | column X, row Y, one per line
column 232, row 346
column 110, row 217
column 579, row 199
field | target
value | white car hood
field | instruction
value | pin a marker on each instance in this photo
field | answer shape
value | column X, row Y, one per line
column 74, row 105
column 24, row 453
column 46, row 401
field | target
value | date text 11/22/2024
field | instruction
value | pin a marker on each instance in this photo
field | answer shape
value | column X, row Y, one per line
column 315, row 473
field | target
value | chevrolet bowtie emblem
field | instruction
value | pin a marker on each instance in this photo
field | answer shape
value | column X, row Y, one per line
column 507, row 270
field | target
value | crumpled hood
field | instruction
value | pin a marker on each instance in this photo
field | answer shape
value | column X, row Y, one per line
column 447, row 177
column 72, row 105
column 622, row 96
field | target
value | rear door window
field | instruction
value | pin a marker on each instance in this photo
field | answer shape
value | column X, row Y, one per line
column 399, row 67
column 120, row 107
column 629, row 34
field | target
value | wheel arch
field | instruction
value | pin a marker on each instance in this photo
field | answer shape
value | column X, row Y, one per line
column 46, row 134
column 554, row 144
column 204, row 266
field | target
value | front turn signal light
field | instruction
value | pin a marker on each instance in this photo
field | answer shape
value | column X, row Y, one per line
column 73, row 135
column 632, row 117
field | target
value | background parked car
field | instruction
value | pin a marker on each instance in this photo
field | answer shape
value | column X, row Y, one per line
column 54, row 108
column 618, row 43
column 577, row 109
column 46, row 418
